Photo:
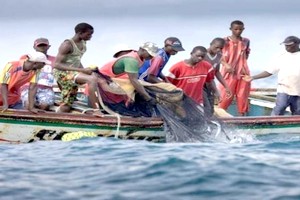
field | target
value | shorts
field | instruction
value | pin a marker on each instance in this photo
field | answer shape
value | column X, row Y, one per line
column 66, row 80
column 44, row 96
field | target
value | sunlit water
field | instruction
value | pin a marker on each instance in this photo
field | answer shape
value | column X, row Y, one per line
column 97, row 168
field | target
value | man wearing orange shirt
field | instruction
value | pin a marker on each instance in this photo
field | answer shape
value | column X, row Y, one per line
column 17, row 73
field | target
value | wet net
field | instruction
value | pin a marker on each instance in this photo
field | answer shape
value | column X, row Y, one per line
column 185, row 120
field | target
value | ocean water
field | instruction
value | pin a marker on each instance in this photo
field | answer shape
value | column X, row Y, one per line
column 267, row 167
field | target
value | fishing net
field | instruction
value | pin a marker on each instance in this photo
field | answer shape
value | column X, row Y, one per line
column 185, row 120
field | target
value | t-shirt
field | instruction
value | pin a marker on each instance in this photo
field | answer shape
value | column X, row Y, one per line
column 126, row 64
column 191, row 79
column 14, row 76
column 287, row 65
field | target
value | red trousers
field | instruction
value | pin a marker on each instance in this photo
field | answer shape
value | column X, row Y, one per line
column 240, row 89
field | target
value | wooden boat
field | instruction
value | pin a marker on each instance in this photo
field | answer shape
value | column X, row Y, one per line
column 24, row 126
column 259, row 121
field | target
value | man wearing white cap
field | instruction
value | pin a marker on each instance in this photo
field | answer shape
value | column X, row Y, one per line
column 287, row 65
column 127, row 67
column 17, row 73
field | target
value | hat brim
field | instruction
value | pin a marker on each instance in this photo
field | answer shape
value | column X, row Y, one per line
column 288, row 43
column 153, row 54
column 178, row 48
column 117, row 54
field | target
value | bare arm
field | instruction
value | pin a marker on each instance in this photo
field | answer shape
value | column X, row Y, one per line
column 263, row 74
column 228, row 67
column 4, row 92
column 156, row 64
column 31, row 96
column 221, row 80
column 64, row 50
column 153, row 79
column 138, row 87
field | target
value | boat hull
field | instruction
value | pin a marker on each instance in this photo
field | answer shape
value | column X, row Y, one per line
column 23, row 126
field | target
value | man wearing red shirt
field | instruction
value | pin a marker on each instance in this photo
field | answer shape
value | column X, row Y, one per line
column 191, row 74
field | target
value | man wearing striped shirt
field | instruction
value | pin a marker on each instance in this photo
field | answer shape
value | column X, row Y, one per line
column 234, row 61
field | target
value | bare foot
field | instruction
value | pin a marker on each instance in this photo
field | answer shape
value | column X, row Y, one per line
column 98, row 113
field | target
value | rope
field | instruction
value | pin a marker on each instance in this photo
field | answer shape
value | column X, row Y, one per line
column 108, row 110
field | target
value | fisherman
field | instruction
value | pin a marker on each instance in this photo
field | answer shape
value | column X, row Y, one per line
column 17, row 73
column 287, row 65
column 44, row 97
column 191, row 74
column 69, row 71
column 151, row 70
column 125, row 70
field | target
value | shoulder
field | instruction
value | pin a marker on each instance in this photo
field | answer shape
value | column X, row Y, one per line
column 206, row 64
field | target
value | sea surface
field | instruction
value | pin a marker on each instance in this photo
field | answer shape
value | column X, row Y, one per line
column 265, row 167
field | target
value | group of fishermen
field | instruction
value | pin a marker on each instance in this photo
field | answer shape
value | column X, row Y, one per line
column 28, row 83
column 122, row 83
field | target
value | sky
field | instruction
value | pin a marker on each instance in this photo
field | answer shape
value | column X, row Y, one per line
column 16, row 9
column 131, row 22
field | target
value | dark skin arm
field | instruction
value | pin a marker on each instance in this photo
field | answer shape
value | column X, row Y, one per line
column 263, row 74
column 4, row 92
column 133, row 77
column 64, row 50
column 153, row 79
column 31, row 98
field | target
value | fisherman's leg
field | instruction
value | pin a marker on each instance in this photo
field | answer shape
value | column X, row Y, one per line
column 45, row 98
column 94, row 95
column 225, row 101
column 281, row 104
column 68, row 93
column 242, row 95
column 295, row 105
column 206, row 102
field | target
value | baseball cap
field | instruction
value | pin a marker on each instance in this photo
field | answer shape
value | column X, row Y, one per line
column 41, row 41
column 291, row 40
column 175, row 43
column 38, row 57
column 151, row 48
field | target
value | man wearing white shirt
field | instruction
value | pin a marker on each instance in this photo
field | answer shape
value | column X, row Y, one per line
column 287, row 65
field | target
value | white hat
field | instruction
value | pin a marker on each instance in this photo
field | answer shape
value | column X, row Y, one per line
column 151, row 48
column 38, row 57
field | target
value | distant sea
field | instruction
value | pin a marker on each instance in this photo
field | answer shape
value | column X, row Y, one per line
column 265, row 168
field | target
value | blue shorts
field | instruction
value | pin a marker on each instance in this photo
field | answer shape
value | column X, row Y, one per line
column 44, row 96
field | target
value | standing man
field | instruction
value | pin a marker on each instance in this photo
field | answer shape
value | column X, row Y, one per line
column 44, row 94
column 235, row 54
column 287, row 65
column 191, row 74
column 213, row 56
column 17, row 73
column 70, row 73
column 151, row 70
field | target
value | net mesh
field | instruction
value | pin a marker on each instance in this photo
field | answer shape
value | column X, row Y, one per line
column 185, row 120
